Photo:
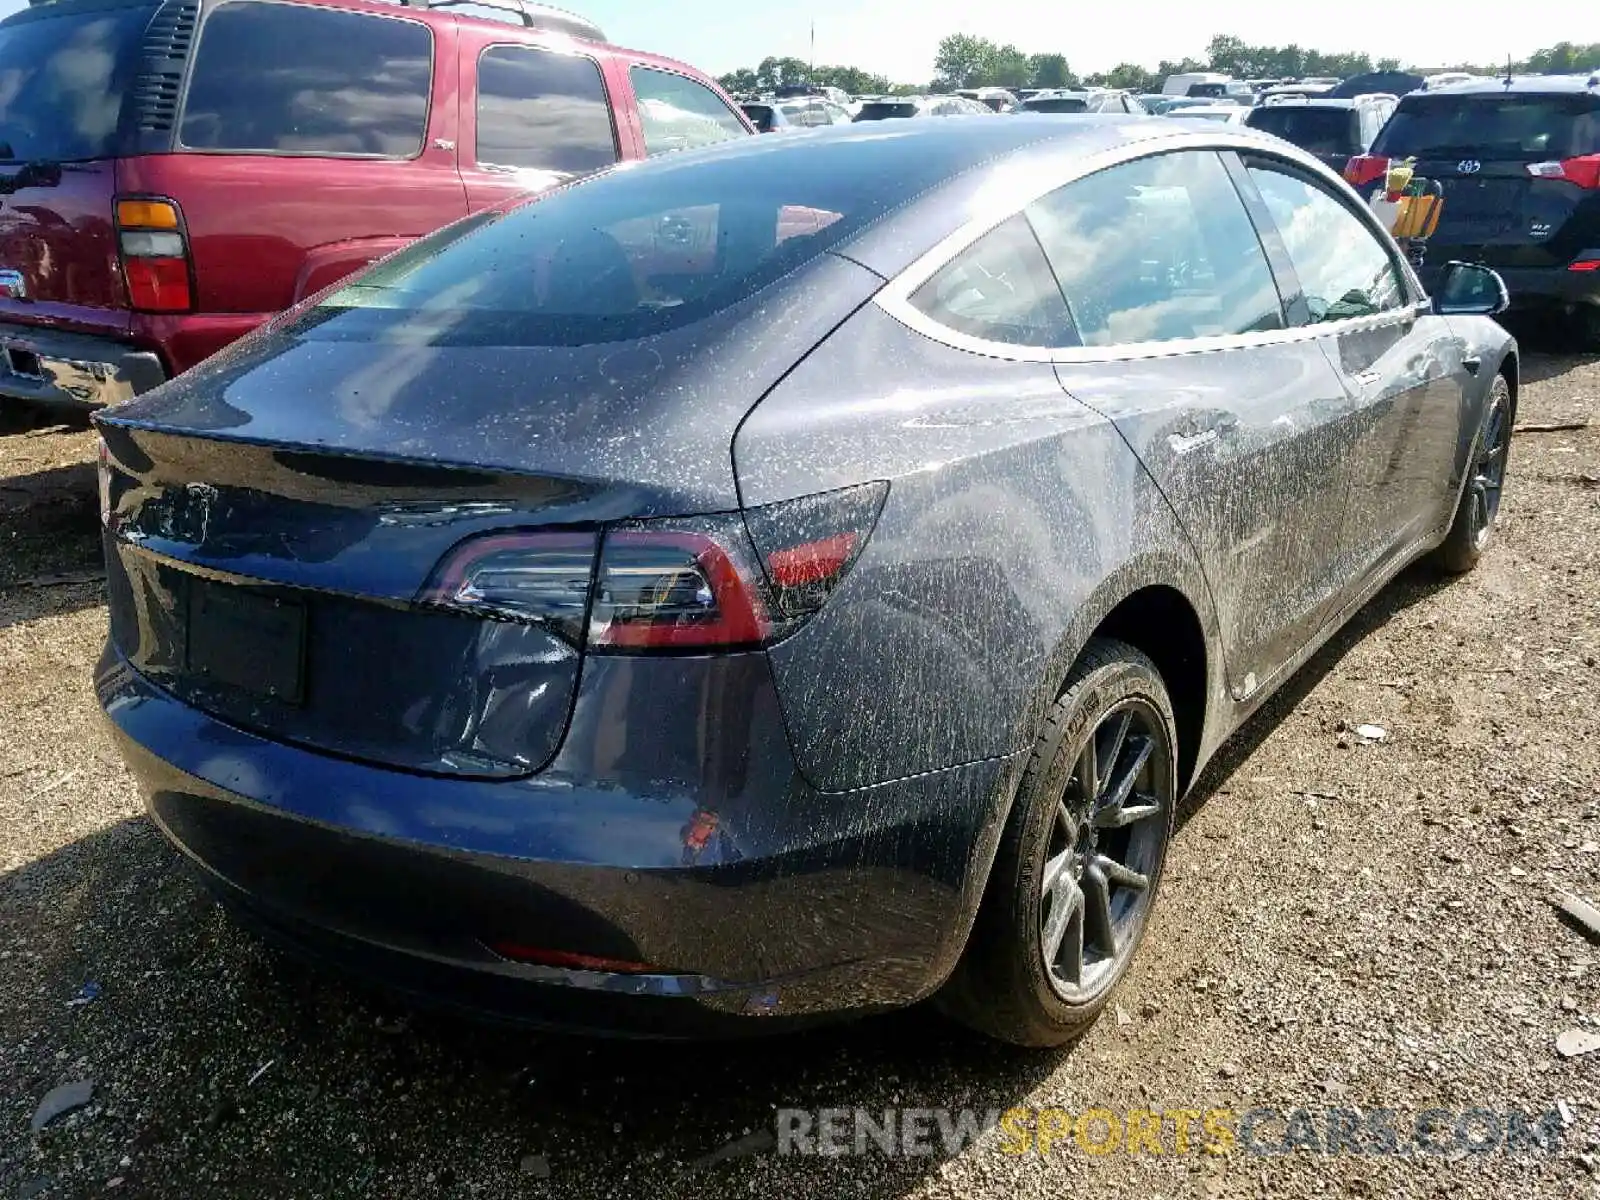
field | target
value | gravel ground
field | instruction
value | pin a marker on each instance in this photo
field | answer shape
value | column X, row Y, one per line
column 1343, row 922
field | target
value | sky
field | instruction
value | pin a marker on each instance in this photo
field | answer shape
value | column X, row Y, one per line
column 898, row 38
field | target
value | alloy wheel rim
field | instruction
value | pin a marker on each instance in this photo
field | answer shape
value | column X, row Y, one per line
column 1106, row 844
column 1489, row 473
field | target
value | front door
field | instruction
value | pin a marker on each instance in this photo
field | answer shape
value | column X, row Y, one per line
column 1400, row 364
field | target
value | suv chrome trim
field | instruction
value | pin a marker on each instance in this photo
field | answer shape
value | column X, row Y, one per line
column 1013, row 195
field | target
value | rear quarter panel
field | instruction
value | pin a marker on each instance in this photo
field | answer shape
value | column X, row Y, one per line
column 1016, row 519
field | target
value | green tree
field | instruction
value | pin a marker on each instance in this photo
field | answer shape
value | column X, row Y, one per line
column 963, row 60
column 1564, row 58
column 1050, row 71
column 1008, row 68
column 776, row 72
column 1130, row 76
column 852, row 79
column 1387, row 64
column 740, row 81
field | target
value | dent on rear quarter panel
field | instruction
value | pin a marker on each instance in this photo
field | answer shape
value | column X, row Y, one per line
column 1016, row 518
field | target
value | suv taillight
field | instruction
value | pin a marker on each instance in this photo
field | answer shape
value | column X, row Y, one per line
column 1584, row 171
column 682, row 583
column 1364, row 169
column 155, row 255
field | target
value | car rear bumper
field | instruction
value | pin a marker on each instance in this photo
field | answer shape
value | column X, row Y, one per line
column 1530, row 287
column 72, row 370
column 737, row 901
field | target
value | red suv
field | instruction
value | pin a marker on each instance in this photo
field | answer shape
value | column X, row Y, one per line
column 174, row 172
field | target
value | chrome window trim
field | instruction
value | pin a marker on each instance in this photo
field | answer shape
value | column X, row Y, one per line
column 894, row 297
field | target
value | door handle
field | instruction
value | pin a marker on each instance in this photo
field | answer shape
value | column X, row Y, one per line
column 1472, row 363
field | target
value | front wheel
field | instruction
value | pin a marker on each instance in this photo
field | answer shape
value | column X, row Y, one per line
column 1080, row 860
column 1479, row 506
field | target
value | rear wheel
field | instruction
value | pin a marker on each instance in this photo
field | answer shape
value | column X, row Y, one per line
column 1479, row 505
column 1080, row 860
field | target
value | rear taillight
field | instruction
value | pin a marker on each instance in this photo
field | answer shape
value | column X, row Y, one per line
column 1584, row 171
column 679, row 584
column 155, row 255
column 1364, row 169
column 542, row 578
column 1588, row 262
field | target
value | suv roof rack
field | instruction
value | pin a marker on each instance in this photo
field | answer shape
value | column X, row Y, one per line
column 533, row 16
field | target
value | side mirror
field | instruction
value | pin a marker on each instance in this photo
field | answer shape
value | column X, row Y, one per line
column 1467, row 289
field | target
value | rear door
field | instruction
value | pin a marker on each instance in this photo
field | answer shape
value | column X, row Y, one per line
column 1480, row 147
column 532, row 116
column 1399, row 363
column 64, row 78
column 1242, row 421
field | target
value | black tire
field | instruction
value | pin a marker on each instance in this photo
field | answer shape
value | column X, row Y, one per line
column 1003, row 985
column 1586, row 327
column 1479, row 504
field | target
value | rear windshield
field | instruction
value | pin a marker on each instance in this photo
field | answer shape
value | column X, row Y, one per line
column 1514, row 127
column 62, row 79
column 1057, row 104
column 878, row 112
column 618, row 257
column 1318, row 130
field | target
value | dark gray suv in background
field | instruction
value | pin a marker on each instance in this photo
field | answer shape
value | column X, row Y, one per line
column 785, row 579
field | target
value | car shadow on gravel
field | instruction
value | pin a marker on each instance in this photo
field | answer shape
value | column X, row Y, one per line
column 1412, row 586
column 50, row 554
column 226, row 1068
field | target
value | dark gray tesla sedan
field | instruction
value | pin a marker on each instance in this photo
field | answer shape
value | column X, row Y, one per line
column 787, row 579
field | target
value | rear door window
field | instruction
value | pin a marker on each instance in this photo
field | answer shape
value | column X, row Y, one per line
column 1315, row 130
column 1158, row 249
column 1493, row 127
column 62, row 81
column 1344, row 270
column 679, row 114
column 1000, row 289
column 297, row 79
column 543, row 113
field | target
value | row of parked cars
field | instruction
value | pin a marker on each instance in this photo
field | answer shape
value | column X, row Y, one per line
column 175, row 172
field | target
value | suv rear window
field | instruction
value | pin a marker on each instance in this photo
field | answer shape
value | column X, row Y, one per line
column 1316, row 130
column 295, row 79
column 620, row 256
column 1491, row 126
column 62, row 80
column 1057, row 104
column 879, row 112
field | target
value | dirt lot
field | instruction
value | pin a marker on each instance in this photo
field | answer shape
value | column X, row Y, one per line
column 1344, row 923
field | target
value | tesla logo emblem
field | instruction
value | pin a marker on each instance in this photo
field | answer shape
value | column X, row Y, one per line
column 1469, row 166
column 13, row 285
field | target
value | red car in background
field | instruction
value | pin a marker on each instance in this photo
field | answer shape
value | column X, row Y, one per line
column 175, row 172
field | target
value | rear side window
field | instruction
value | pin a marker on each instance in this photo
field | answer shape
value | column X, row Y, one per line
column 62, row 81
column 1315, row 130
column 1344, row 269
column 543, row 112
column 1000, row 289
column 296, row 79
column 1514, row 127
column 679, row 114
column 1158, row 249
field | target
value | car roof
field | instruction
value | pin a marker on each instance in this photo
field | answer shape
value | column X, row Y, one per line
column 1519, row 85
column 396, row 8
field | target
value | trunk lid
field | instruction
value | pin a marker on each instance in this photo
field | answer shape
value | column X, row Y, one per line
column 67, row 68
column 277, row 510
